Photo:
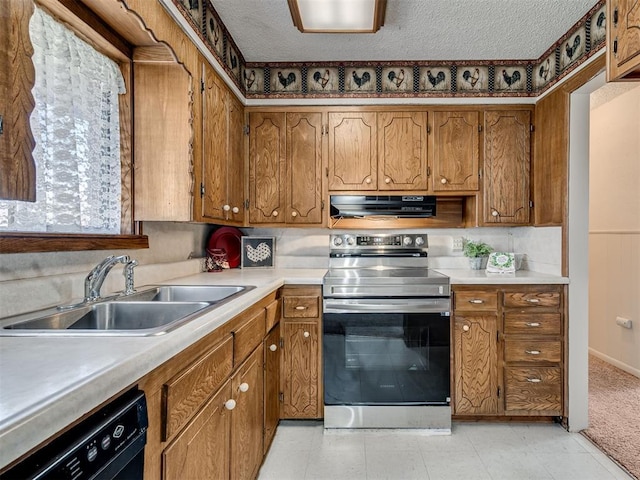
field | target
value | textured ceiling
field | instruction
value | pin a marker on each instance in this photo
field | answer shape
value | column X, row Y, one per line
column 413, row 30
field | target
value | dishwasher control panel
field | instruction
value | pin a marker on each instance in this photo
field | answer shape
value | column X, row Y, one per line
column 100, row 446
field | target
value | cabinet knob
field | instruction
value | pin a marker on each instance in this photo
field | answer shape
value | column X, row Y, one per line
column 235, row 210
column 532, row 352
column 306, row 334
column 230, row 404
column 532, row 324
column 387, row 180
column 443, row 181
column 494, row 213
column 274, row 213
column 226, row 208
column 301, row 307
column 243, row 387
column 533, row 300
column 273, row 347
column 534, row 380
column 476, row 300
column 294, row 214
column 367, row 181
column 465, row 328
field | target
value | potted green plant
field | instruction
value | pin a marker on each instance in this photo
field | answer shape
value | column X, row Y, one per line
column 478, row 252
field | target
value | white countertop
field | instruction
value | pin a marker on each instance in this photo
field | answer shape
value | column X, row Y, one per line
column 46, row 383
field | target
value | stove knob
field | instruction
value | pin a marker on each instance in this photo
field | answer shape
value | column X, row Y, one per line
column 337, row 241
column 419, row 241
column 407, row 241
column 351, row 241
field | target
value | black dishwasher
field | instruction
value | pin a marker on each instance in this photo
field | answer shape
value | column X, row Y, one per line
column 108, row 445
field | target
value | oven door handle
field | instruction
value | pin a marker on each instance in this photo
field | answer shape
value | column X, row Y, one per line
column 405, row 305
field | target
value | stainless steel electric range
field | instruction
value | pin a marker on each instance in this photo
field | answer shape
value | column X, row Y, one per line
column 386, row 334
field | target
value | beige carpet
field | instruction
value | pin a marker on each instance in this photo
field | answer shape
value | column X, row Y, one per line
column 614, row 413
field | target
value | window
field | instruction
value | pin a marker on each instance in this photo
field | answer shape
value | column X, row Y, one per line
column 76, row 126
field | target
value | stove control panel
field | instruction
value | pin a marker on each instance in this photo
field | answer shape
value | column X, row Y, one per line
column 349, row 241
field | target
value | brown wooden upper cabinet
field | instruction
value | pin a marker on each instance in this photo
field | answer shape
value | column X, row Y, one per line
column 222, row 187
column 402, row 151
column 285, row 168
column 454, row 150
column 623, row 40
column 507, row 149
column 353, row 153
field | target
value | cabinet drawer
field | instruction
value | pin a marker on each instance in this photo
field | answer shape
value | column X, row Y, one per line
column 273, row 315
column 475, row 301
column 248, row 337
column 532, row 299
column 533, row 323
column 532, row 351
column 185, row 393
column 533, row 389
column 298, row 306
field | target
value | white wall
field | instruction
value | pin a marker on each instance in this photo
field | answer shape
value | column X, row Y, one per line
column 30, row 281
column 614, row 224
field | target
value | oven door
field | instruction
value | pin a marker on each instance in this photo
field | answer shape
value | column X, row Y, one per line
column 386, row 351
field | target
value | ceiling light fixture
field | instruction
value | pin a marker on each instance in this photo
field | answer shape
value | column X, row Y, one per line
column 338, row 16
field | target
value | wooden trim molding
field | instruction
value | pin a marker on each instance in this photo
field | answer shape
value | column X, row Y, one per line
column 39, row 242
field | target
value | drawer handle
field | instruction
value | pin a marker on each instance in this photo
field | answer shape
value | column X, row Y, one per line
column 306, row 334
column 532, row 324
column 475, row 300
column 230, row 404
column 273, row 347
column 243, row 387
column 301, row 307
column 533, row 300
column 533, row 352
column 465, row 328
column 534, row 380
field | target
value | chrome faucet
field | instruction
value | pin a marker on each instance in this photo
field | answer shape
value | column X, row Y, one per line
column 95, row 279
column 128, row 277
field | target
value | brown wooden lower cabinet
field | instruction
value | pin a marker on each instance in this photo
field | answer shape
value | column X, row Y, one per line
column 509, row 350
column 272, row 360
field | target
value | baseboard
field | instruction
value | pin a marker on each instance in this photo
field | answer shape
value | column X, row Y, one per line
column 616, row 363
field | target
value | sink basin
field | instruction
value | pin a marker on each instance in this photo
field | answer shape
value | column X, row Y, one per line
column 143, row 318
column 153, row 311
column 187, row 293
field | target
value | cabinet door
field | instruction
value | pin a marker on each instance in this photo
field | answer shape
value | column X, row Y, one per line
column 507, row 152
column 353, row 158
column 271, row 385
column 454, row 150
column 475, row 365
column 266, row 167
column 214, row 146
column 235, row 163
column 304, row 168
column 247, row 419
column 402, row 150
column 300, row 369
column 202, row 449
column 623, row 39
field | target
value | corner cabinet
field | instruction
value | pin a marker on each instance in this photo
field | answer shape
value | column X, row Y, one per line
column 222, row 187
column 623, row 40
column 509, row 347
column 507, row 162
column 285, row 168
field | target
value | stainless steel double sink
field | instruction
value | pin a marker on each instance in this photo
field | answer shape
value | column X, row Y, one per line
column 153, row 311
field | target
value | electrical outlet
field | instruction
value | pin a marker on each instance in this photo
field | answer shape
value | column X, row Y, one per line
column 457, row 244
column 623, row 322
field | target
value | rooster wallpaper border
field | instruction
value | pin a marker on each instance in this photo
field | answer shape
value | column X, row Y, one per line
column 397, row 79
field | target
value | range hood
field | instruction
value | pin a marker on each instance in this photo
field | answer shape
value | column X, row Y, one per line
column 397, row 206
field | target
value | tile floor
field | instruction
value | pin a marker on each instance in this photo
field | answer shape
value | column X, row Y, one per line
column 473, row 451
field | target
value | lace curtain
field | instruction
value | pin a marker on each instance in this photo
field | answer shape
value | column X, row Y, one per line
column 76, row 127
